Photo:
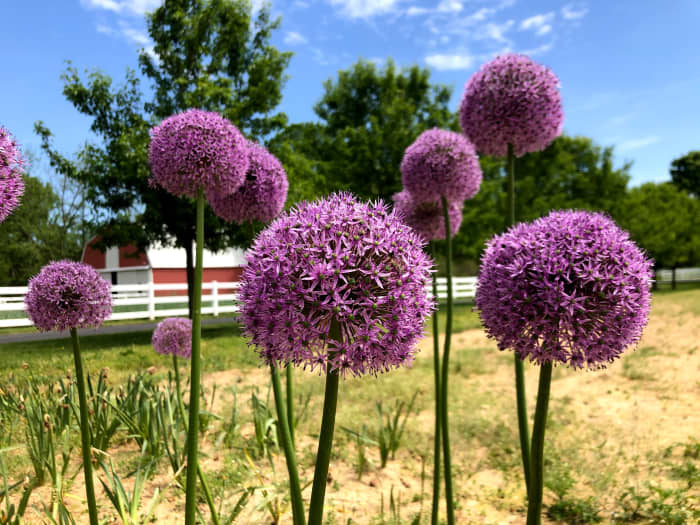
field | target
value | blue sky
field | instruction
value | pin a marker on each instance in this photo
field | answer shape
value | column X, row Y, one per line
column 629, row 70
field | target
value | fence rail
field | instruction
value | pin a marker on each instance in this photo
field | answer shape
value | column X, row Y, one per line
column 142, row 301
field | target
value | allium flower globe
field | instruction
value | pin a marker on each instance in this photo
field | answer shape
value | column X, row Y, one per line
column 337, row 281
column 11, row 170
column 427, row 218
column 65, row 295
column 570, row 288
column 197, row 149
column 441, row 163
column 515, row 100
column 173, row 336
column 261, row 196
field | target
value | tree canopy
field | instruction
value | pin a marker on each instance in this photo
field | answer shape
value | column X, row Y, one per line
column 368, row 117
column 685, row 172
column 664, row 221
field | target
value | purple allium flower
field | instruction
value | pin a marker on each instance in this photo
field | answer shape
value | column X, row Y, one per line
column 197, row 149
column 173, row 336
column 515, row 100
column 427, row 218
column 438, row 163
column 570, row 287
column 65, row 295
column 261, row 196
column 337, row 281
column 11, row 170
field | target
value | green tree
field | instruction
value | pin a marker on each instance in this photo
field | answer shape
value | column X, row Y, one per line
column 573, row 172
column 210, row 54
column 685, row 172
column 368, row 117
column 31, row 236
column 663, row 220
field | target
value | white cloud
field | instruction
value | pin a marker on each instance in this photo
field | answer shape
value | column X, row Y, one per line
column 444, row 7
column 293, row 38
column 540, row 24
column 449, row 6
column 494, row 31
column 135, row 36
column 300, row 4
column 573, row 11
column 365, row 8
column 632, row 144
column 449, row 62
column 537, row 50
column 133, row 7
column 105, row 30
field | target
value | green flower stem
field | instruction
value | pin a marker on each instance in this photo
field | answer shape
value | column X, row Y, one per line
column 288, row 446
column 200, row 472
column 325, row 439
column 518, row 363
column 534, row 504
column 290, row 402
column 449, row 498
column 193, row 430
column 84, row 430
column 437, row 444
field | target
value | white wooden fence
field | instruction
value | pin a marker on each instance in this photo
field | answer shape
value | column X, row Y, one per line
column 144, row 297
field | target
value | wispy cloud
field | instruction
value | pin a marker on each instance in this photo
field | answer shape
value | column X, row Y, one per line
column 541, row 24
column 131, row 7
column 633, row 144
column 495, row 31
column 135, row 36
column 446, row 6
column 300, row 4
column 574, row 11
column 365, row 8
column 450, row 62
column 292, row 38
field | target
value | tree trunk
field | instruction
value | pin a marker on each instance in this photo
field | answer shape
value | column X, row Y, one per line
column 673, row 278
column 190, row 276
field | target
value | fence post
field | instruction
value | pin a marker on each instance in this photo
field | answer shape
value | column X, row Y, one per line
column 215, row 298
column 151, row 301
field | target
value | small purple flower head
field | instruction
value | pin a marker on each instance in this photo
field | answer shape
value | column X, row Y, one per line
column 197, row 149
column 65, row 295
column 261, row 196
column 173, row 336
column 438, row 163
column 427, row 218
column 337, row 282
column 570, row 287
column 515, row 100
column 11, row 169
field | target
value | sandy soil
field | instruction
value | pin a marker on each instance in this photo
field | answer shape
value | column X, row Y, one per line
column 613, row 423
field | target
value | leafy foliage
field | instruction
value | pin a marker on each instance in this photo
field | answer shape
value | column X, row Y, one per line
column 685, row 172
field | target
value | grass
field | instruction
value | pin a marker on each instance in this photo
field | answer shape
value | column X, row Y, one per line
column 598, row 469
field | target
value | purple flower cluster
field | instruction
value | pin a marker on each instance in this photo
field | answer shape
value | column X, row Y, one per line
column 570, row 287
column 427, row 218
column 515, row 100
column 65, row 295
column 173, row 336
column 337, row 282
column 261, row 196
column 441, row 163
column 197, row 149
column 11, row 170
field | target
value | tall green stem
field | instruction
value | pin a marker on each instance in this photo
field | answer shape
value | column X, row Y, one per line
column 449, row 498
column 193, row 430
column 325, row 439
column 200, row 472
column 436, row 369
column 534, row 505
column 518, row 364
column 288, row 446
column 84, row 430
column 290, row 402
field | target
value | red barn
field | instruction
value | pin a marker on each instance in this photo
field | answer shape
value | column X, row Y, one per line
column 160, row 265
